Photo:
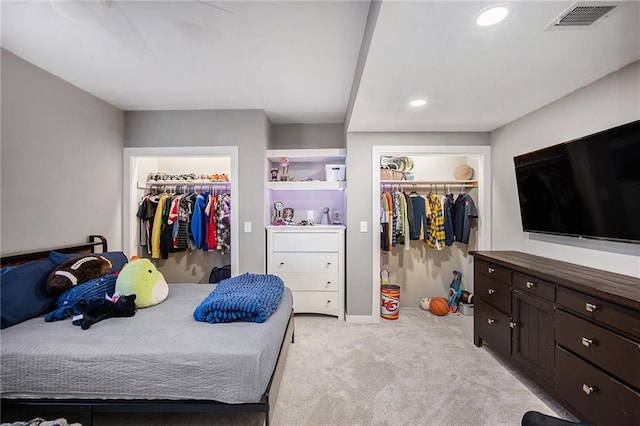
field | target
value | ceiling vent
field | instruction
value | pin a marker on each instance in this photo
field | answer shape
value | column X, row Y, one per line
column 582, row 15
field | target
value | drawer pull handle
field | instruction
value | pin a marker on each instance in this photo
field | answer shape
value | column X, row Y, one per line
column 587, row 389
column 281, row 263
column 491, row 291
column 530, row 284
column 491, row 321
column 590, row 307
column 491, row 270
column 513, row 324
column 587, row 342
column 328, row 302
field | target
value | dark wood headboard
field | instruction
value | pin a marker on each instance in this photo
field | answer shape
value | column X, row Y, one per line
column 88, row 247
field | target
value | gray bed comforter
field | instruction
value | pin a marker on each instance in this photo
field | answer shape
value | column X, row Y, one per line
column 160, row 353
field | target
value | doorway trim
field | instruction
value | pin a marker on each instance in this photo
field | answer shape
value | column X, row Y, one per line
column 130, row 171
column 483, row 152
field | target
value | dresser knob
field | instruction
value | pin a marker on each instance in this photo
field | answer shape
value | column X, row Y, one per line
column 587, row 389
column 491, row 321
column 491, row 291
column 328, row 283
column 587, row 342
column 328, row 302
column 590, row 307
column 491, row 270
column 530, row 284
column 513, row 324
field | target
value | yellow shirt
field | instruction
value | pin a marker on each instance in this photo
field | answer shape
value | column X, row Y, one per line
column 157, row 229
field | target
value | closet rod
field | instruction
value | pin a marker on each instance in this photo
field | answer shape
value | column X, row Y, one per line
column 200, row 185
column 424, row 183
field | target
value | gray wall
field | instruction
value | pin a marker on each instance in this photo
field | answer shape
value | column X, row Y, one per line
column 359, row 169
column 608, row 102
column 249, row 130
column 61, row 161
column 295, row 136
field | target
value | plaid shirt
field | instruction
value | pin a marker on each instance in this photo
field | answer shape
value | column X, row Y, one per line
column 435, row 228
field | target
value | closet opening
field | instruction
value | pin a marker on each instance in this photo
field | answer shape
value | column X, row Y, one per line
column 191, row 178
column 423, row 265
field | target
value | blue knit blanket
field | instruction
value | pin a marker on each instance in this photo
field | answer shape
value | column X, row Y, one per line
column 247, row 297
column 96, row 287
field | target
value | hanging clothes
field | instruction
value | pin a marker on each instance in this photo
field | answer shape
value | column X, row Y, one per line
column 385, row 219
column 410, row 218
column 448, row 208
column 181, row 224
column 419, row 216
column 464, row 210
column 211, row 215
column 157, row 228
column 171, row 223
column 435, row 237
column 223, row 223
column 166, row 230
column 198, row 221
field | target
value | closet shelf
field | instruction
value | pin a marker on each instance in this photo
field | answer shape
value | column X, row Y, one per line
column 465, row 183
column 306, row 185
column 174, row 183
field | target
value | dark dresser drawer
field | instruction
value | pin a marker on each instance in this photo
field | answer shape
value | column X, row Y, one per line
column 616, row 316
column 610, row 351
column 493, row 327
column 535, row 286
column 492, row 291
column 496, row 272
column 602, row 399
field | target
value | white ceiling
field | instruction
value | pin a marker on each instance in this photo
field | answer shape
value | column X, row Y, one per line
column 297, row 59
column 478, row 79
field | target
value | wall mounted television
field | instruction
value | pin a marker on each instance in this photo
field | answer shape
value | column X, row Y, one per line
column 586, row 188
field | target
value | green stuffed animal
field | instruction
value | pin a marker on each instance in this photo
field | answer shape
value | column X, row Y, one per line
column 140, row 277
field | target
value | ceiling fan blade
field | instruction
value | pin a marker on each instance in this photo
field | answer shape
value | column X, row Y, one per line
column 204, row 3
column 118, row 24
column 111, row 17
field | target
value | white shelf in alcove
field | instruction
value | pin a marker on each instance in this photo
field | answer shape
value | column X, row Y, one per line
column 319, row 155
column 306, row 185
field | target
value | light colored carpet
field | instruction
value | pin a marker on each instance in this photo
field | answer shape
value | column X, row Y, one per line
column 418, row 370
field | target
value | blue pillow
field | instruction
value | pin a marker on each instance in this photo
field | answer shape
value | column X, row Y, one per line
column 91, row 289
column 23, row 292
column 118, row 259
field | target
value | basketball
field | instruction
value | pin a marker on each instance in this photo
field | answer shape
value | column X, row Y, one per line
column 438, row 306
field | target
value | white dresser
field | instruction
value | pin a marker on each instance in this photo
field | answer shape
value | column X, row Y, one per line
column 310, row 261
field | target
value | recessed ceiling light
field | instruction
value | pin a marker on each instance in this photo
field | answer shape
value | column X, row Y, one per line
column 418, row 102
column 492, row 16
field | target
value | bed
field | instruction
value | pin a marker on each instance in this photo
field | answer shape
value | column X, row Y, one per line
column 160, row 360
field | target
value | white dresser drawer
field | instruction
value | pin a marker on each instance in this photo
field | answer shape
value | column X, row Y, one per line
column 304, row 262
column 306, row 241
column 310, row 281
column 315, row 302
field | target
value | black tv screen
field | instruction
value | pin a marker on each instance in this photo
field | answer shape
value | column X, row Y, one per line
column 588, row 187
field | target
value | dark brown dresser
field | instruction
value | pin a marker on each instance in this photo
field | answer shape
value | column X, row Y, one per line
column 573, row 330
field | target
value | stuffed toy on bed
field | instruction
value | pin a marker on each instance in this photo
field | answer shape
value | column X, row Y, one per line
column 140, row 277
column 76, row 270
column 96, row 309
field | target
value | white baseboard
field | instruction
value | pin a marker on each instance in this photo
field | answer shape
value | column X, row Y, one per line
column 362, row 319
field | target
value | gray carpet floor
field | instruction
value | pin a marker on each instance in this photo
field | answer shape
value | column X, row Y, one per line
column 417, row 370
